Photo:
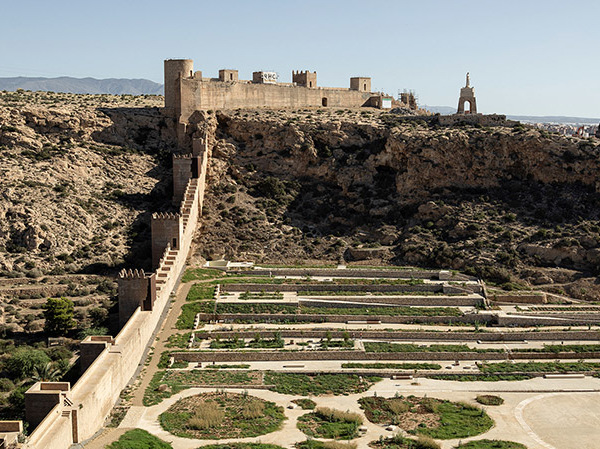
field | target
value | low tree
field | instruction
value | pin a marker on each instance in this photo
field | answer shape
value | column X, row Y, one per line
column 98, row 315
column 59, row 316
column 25, row 360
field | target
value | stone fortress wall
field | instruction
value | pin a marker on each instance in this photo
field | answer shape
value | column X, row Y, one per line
column 186, row 91
column 61, row 415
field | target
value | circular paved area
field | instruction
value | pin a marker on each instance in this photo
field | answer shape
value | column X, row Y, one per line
column 562, row 421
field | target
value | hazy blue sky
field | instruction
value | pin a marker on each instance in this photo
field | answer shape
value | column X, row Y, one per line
column 525, row 57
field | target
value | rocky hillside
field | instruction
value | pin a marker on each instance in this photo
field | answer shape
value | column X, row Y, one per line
column 508, row 203
column 82, row 173
column 79, row 174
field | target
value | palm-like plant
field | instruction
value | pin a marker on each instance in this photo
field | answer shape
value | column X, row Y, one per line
column 46, row 373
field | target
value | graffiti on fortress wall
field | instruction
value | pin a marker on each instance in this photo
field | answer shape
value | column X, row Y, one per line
column 61, row 415
column 186, row 91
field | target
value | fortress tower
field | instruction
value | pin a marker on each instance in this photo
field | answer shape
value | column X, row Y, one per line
column 305, row 78
column 176, row 69
column 360, row 83
column 467, row 95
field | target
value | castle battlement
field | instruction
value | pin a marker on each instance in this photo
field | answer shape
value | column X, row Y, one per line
column 132, row 274
column 182, row 156
column 186, row 91
column 165, row 216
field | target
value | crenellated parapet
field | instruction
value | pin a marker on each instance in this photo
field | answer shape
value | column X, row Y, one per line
column 136, row 289
column 167, row 229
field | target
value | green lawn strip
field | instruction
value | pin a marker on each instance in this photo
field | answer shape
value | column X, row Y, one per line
column 492, row 444
column 372, row 346
column 459, row 420
column 361, row 293
column 139, row 439
column 327, row 423
column 400, row 442
column 241, row 446
column 201, row 274
column 386, row 311
column 316, row 444
column 456, row 419
column 247, row 295
column 178, row 340
column 538, row 367
column 181, row 380
column 256, row 343
column 489, row 399
column 563, row 348
column 308, row 280
column 200, row 292
column 400, row 366
column 305, row 403
column 228, row 366
column 222, row 415
column 318, row 384
column 480, row 378
column 189, row 311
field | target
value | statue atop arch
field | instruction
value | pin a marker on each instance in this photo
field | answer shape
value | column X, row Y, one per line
column 467, row 95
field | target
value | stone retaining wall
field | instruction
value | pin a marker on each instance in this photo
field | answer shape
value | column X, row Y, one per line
column 351, row 272
column 288, row 356
column 315, row 318
column 412, row 336
column 362, row 301
column 324, row 287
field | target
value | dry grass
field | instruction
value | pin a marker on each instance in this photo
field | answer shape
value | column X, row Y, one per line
column 252, row 410
column 208, row 416
column 398, row 406
column 332, row 415
column 338, row 445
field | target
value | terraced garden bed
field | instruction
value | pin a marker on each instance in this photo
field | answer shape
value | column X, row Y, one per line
column 222, row 415
column 329, row 423
column 439, row 419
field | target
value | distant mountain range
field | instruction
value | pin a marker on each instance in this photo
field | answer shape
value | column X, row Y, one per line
column 446, row 110
column 115, row 86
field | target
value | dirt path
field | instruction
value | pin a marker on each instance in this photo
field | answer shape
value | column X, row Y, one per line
column 168, row 328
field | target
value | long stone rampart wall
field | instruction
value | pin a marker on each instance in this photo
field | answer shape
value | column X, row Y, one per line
column 197, row 94
column 288, row 356
column 412, row 336
column 98, row 389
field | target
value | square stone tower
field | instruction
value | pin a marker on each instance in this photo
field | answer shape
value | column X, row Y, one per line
column 360, row 83
column 228, row 75
column 305, row 79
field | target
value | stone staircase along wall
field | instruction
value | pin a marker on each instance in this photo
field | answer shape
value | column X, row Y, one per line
column 79, row 412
